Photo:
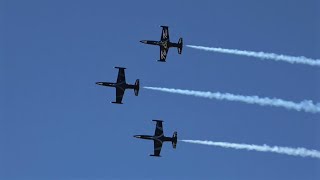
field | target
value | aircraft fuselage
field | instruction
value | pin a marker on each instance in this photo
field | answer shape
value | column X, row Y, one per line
column 165, row 44
column 157, row 138
column 121, row 85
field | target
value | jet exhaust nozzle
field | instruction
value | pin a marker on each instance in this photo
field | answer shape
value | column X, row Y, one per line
column 136, row 87
column 174, row 139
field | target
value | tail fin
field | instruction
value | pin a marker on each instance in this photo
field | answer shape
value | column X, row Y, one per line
column 174, row 139
column 180, row 43
column 136, row 87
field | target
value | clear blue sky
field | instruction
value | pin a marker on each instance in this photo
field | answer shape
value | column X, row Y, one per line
column 55, row 123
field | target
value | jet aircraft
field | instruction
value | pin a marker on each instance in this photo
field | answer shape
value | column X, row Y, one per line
column 158, row 138
column 165, row 43
column 121, row 85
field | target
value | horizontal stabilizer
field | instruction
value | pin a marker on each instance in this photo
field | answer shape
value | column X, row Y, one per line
column 136, row 87
column 174, row 139
column 180, row 45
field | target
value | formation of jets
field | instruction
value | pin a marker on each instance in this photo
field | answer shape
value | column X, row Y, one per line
column 121, row 85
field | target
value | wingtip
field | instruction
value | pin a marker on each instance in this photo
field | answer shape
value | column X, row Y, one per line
column 154, row 155
column 116, row 102
column 119, row 67
column 157, row 120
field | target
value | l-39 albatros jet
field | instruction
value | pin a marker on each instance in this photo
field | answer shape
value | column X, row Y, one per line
column 121, row 85
column 159, row 138
column 165, row 44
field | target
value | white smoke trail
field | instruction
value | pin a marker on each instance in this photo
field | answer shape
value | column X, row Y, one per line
column 306, row 105
column 262, row 55
column 264, row 148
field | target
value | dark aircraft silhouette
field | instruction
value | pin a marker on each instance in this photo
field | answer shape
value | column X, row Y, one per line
column 159, row 138
column 121, row 85
column 165, row 44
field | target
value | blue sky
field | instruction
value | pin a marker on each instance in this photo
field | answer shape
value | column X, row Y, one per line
column 55, row 123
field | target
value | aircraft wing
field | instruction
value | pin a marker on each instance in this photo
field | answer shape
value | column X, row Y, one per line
column 119, row 95
column 163, row 53
column 121, row 75
column 159, row 128
column 165, row 33
column 157, row 147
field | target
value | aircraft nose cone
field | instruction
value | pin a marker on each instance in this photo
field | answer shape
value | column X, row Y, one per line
column 136, row 136
column 143, row 41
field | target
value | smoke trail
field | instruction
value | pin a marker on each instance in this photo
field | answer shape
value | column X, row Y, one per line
column 264, row 148
column 262, row 55
column 306, row 105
